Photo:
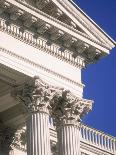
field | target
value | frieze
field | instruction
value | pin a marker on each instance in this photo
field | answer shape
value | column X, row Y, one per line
column 41, row 43
column 40, row 66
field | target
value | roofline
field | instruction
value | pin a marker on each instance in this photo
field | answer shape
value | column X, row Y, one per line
column 77, row 7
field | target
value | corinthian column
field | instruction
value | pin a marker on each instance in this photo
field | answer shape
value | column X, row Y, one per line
column 36, row 98
column 67, row 110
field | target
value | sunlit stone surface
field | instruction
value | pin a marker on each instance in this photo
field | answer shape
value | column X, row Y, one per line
column 44, row 45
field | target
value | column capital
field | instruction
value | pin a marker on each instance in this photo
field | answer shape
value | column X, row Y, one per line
column 69, row 109
column 35, row 95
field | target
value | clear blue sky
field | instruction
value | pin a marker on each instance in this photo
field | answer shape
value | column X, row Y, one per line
column 100, row 78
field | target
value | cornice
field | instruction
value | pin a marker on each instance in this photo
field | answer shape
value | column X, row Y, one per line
column 78, row 17
column 92, row 26
column 88, row 23
column 57, row 21
column 53, row 50
column 68, row 7
column 40, row 67
column 58, row 24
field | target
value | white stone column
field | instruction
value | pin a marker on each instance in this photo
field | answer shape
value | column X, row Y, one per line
column 38, row 137
column 68, row 139
column 36, row 98
column 67, row 110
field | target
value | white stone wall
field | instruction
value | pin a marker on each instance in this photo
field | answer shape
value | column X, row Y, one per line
column 31, row 61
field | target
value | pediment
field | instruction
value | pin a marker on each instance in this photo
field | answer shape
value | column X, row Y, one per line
column 51, row 8
column 67, row 12
column 59, row 23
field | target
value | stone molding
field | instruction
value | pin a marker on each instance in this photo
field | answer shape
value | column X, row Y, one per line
column 77, row 14
column 52, row 22
column 39, row 66
column 84, row 21
column 56, row 20
column 41, row 44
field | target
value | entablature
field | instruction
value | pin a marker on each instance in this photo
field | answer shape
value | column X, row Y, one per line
column 54, row 32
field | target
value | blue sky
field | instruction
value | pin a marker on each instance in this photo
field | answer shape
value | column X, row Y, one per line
column 100, row 78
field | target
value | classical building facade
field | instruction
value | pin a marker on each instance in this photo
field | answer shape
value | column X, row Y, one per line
column 44, row 45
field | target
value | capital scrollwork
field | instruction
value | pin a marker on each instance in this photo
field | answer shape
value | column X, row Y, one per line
column 60, row 103
column 69, row 109
column 35, row 95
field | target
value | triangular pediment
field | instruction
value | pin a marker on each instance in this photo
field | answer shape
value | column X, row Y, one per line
column 61, row 24
column 55, row 9
column 68, row 13
column 51, row 8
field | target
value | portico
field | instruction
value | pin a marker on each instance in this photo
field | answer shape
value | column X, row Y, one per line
column 42, row 53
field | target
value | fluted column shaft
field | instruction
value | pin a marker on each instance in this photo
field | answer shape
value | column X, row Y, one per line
column 38, row 137
column 68, row 140
column 36, row 96
column 67, row 110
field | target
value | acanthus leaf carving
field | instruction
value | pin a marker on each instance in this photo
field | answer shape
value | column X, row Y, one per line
column 60, row 103
column 35, row 95
column 69, row 109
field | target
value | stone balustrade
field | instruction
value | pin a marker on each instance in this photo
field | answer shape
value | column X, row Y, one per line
column 89, row 136
column 98, row 139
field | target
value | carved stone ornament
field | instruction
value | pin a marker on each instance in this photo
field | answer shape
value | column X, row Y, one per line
column 36, row 96
column 6, row 138
column 62, row 104
column 69, row 109
column 20, row 139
